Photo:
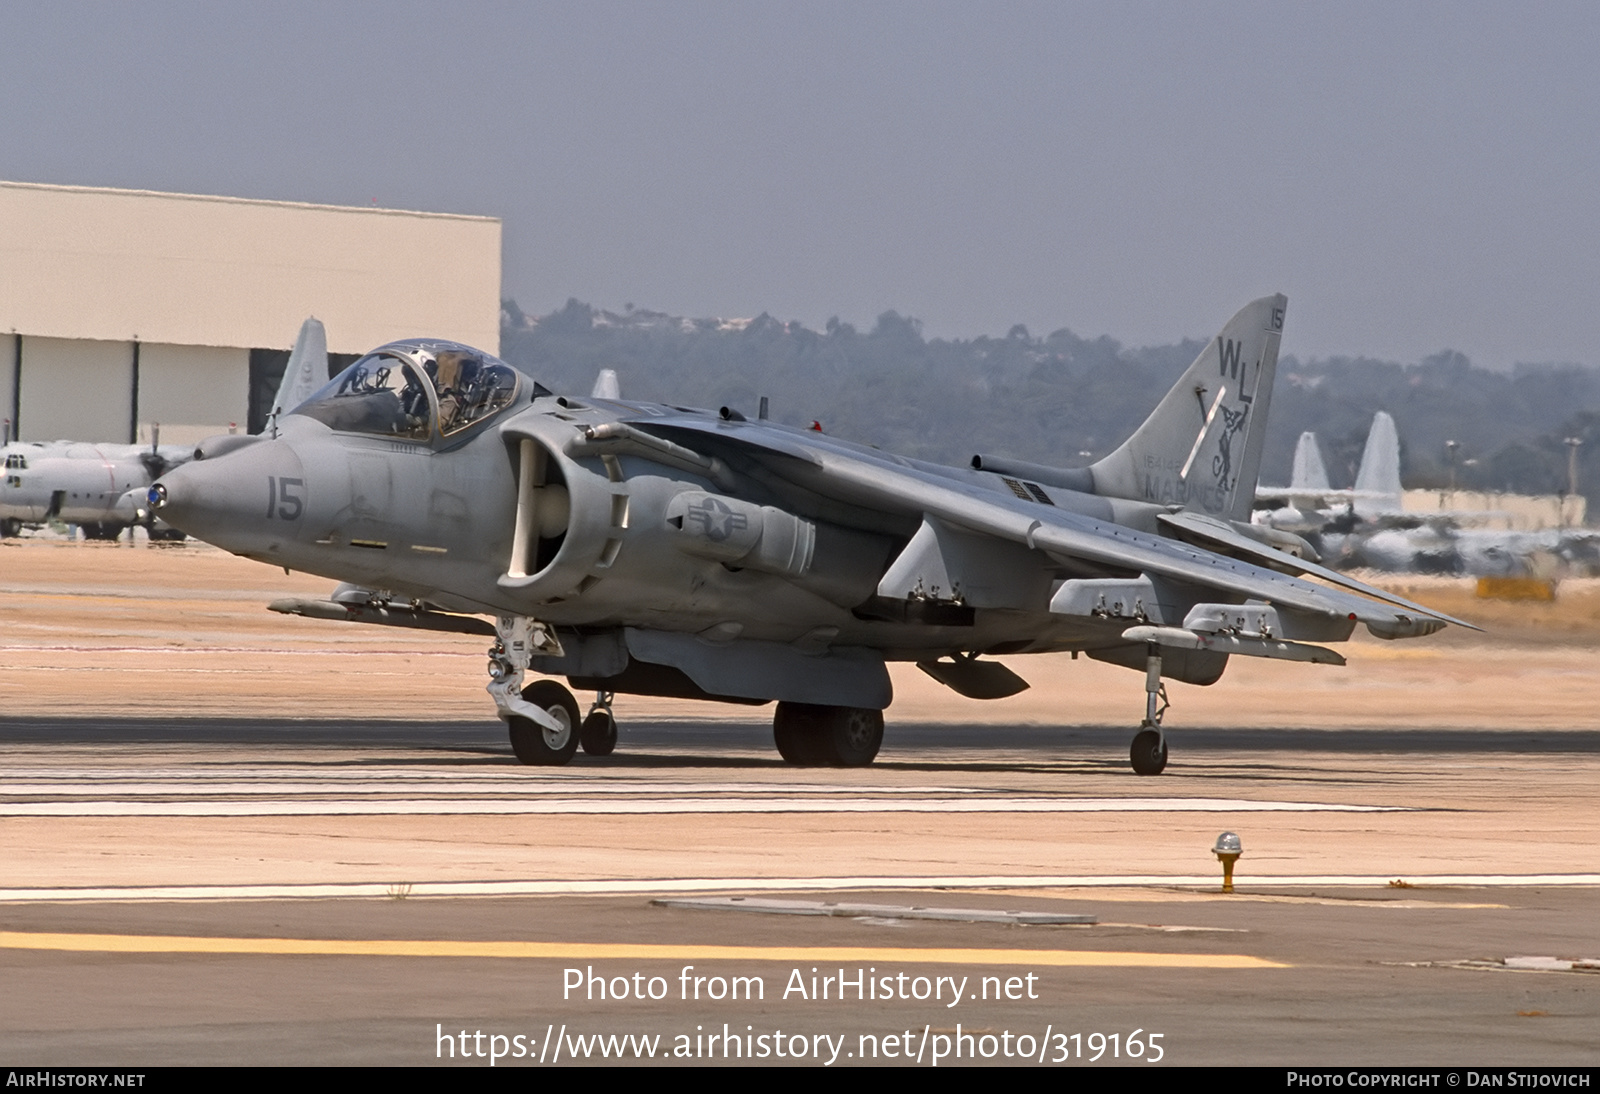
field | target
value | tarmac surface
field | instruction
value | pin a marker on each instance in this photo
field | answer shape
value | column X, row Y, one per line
column 233, row 837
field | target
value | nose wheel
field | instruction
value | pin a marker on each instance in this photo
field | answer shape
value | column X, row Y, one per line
column 1148, row 753
column 545, row 745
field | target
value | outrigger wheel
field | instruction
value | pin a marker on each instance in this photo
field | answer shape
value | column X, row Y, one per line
column 1148, row 752
column 1149, row 749
column 540, row 747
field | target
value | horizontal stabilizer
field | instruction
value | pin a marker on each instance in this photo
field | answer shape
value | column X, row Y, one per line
column 1221, row 537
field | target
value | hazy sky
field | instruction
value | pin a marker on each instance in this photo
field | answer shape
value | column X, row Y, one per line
column 1414, row 176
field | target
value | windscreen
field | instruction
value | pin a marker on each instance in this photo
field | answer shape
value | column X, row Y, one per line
column 396, row 391
column 381, row 393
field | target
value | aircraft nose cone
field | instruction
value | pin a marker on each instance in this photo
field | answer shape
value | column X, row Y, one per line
column 244, row 501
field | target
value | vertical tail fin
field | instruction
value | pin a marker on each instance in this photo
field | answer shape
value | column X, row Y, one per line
column 1309, row 476
column 1378, row 477
column 1201, row 446
column 306, row 371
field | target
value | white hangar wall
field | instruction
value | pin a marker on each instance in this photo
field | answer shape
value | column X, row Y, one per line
column 126, row 308
column 76, row 389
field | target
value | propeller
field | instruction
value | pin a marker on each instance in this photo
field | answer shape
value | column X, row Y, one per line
column 154, row 462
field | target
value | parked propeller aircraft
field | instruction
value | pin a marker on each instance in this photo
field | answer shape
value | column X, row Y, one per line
column 1311, row 507
column 1366, row 527
column 662, row 550
column 104, row 488
column 99, row 487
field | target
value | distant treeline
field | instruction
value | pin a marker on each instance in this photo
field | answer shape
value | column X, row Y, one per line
column 1067, row 400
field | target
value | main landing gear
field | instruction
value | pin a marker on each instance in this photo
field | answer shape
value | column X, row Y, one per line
column 819, row 736
column 1149, row 749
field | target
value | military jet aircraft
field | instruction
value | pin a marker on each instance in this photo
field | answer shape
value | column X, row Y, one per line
column 662, row 550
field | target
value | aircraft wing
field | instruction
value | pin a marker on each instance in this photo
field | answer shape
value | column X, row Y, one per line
column 1221, row 536
column 874, row 481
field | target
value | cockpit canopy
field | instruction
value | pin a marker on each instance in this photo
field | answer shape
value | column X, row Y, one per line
column 415, row 390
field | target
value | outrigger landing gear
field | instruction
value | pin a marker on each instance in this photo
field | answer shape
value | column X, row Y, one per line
column 599, row 733
column 1149, row 750
column 543, row 717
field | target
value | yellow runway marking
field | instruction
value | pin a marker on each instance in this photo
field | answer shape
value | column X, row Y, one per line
column 585, row 951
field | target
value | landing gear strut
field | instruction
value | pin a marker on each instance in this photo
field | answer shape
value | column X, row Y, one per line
column 543, row 717
column 1149, row 749
column 599, row 733
column 821, row 736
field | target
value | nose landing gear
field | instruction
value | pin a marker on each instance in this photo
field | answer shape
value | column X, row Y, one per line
column 539, row 744
column 542, row 718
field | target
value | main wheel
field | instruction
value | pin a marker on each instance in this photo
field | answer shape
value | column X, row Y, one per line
column 102, row 530
column 794, row 733
column 536, row 745
column 1148, row 753
column 599, row 734
column 833, row 736
column 10, row 527
column 854, row 736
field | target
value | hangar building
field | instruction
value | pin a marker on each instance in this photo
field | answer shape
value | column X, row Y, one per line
column 124, row 308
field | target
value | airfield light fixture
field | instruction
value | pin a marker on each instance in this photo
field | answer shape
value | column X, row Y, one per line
column 1228, row 848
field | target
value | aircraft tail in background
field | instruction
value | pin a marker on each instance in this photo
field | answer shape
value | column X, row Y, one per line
column 1310, row 476
column 1378, row 490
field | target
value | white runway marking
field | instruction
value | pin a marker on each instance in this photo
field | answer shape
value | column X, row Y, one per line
column 207, row 651
column 267, row 791
column 136, row 786
column 644, row 886
column 683, row 805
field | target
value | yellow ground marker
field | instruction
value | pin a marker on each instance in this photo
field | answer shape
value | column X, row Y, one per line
column 586, row 951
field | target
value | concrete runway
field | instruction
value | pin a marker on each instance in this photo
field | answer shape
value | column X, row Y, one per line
column 220, row 849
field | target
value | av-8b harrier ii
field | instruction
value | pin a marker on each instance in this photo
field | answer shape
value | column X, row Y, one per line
column 636, row 548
